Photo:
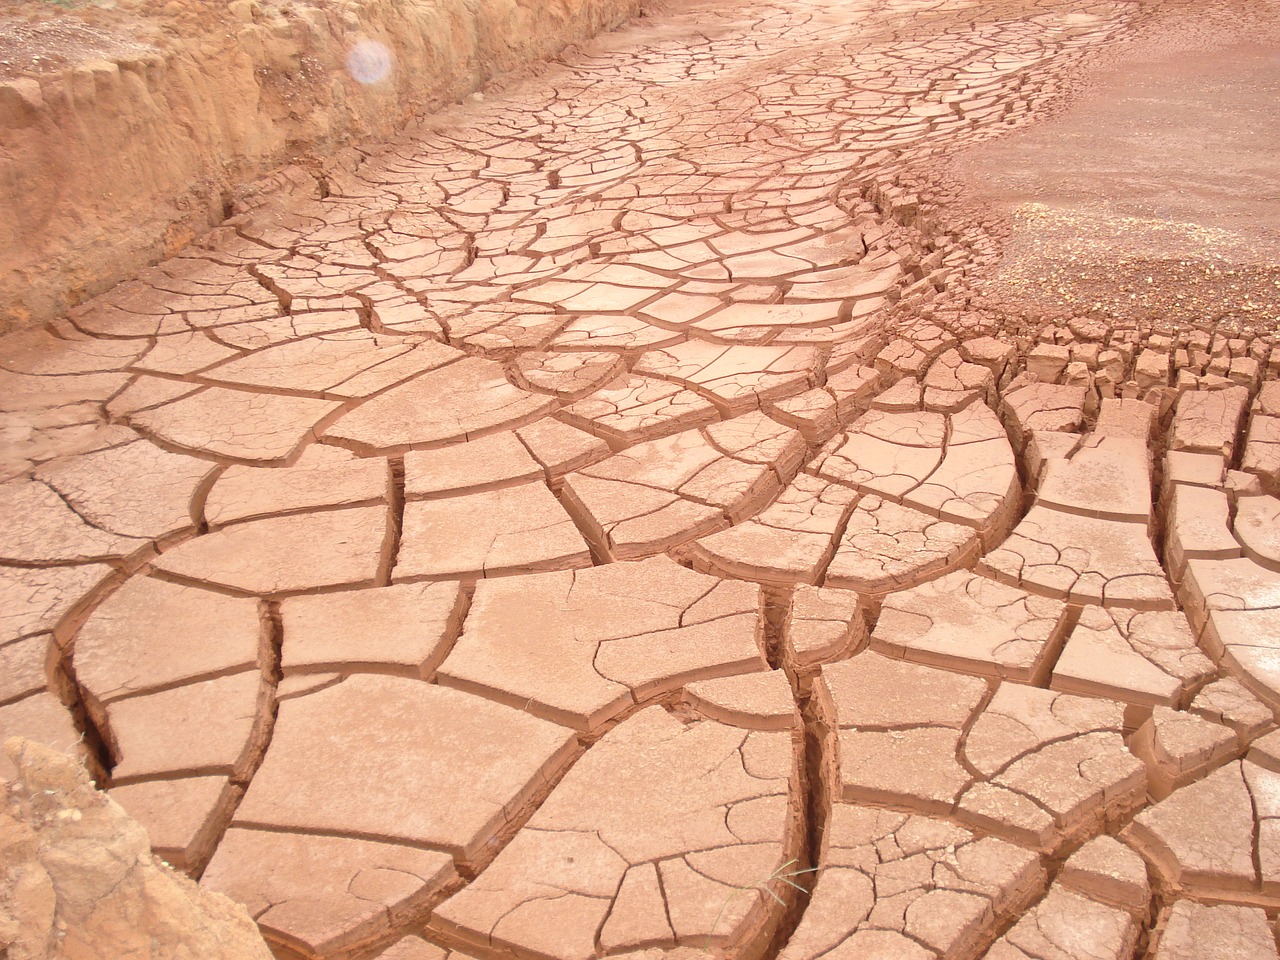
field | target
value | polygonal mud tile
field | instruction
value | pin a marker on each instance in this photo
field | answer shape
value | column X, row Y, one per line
column 335, row 366
column 151, row 634
column 1147, row 656
column 1043, row 406
column 41, row 717
column 1197, row 527
column 886, row 547
column 791, row 540
column 754, row 701
column 184, row 818
column 213, row 727
column 1232, row 853
column 665, row 832
column 738, row 377
column 492, row 461
column 34, row 599
column 1179, row 748
column 1082, row 559
column 285, row 554
column 325, row 895
column 1105, row 477
column 1197, row 931
column 1038, row 767
column 1229, row 702
column 458, row 402
column 493, row 532
column 906, row 886
column 965, row 622
column 560, row 448
column 135, row 490
column 1236, row 606
column 406, row 628
column 663, row 492
column 1066, row 926
column 633, row 409
column 1262, row 450
column 567, row 375
column 321, row 477
column 402, row 760
column 1257, row 524
column 580, row 646
column 184, row 353
column 885, row 453
column 825, row 625
column 40, row 527
column 1208, row 421
column 37, row 351
column 1107, row 871
column 22, row 667
column 238, row 425
column 1067, row 754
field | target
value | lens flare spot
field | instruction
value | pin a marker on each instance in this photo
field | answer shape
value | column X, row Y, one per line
column 369, row 62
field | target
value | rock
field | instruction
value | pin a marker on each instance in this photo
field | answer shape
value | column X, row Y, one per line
column 82, row 881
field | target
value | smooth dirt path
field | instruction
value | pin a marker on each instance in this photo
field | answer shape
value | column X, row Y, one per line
column 616, row 520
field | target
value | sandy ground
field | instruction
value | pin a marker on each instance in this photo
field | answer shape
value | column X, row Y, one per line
column 1153, row 199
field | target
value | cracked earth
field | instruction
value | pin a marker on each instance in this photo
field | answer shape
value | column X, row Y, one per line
column 616, row 521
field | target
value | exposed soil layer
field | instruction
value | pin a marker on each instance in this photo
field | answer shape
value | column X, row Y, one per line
column 127, row 129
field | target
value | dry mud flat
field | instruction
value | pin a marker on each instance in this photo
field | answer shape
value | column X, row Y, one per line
column 634, row 517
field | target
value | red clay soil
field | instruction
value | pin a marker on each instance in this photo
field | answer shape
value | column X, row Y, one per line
column 715, row 497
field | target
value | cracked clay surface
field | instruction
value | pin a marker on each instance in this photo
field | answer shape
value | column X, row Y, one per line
column 628, row 515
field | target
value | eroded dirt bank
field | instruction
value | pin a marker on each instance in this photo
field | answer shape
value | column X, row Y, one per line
column 127, row 130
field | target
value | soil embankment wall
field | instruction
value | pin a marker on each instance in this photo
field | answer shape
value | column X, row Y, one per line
column 120, row 156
